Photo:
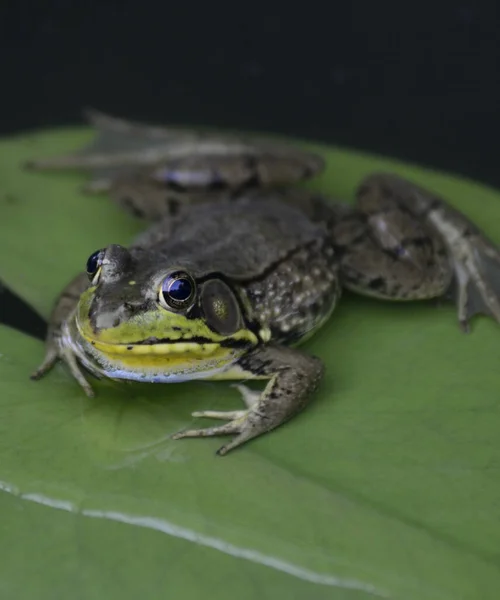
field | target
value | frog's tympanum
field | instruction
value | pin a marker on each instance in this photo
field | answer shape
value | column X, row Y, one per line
column 238, row 267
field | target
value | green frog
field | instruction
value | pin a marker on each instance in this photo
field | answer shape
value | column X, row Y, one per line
column 238, row 266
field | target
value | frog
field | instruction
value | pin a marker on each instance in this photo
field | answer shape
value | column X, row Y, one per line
column 239, row 264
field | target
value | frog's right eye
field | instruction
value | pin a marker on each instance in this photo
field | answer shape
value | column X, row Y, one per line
column 94, row 264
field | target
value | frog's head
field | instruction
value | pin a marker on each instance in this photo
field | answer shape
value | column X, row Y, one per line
column 143, row 318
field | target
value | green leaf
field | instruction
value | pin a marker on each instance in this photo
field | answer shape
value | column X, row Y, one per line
column 387, row 485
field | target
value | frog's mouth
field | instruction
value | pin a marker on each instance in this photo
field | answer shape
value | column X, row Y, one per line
column 166, row 358
column 187, row 354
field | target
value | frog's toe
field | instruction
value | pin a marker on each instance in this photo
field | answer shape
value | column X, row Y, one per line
column 477, row 281
column 49, row 360
column 226, row 429
column 246, row 424
column 224, row 415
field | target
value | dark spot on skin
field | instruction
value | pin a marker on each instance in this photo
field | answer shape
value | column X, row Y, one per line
column 387, row 191
column 175, row 185
column 217, row 183
column 340, row 251
column 251, row 163
column 360, row 239
column 404, row 209
column 173, row 206
column 154, row 340
column 434, row 205
column 419, row 242
column 135, row 307
column 253, row 179
column 309, row 171
column 252, row 182
column 400, row 251
column 376, row 284
column 394, row 253
column 235, row 343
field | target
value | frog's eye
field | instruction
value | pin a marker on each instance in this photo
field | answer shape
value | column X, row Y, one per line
column 177, row 290
column 94, row 264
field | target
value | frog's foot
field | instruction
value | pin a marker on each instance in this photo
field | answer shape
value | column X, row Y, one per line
column 476, row 263
column 49, row 360
column 477, row 280
column 246, row 426
column 240, row 422
column 293, row 377
column 53, row 354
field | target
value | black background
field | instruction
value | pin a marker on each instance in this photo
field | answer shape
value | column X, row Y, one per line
column 415, row 81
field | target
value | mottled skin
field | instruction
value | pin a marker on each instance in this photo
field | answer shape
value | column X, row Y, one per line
column 267, row 264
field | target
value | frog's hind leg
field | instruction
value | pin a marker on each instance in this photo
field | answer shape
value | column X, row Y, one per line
column 181, row 159
column 388, row 254
column 474, row 259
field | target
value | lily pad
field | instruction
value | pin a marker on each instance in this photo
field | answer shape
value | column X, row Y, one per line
column 386, row 486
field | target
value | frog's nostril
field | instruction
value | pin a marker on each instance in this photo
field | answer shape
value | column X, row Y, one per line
column 133, row 307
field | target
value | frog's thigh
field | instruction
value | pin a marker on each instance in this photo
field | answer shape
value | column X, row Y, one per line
column 293, row 377
column 475, row 259
column 389, row 254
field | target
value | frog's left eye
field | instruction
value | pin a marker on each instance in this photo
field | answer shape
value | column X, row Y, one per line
column 94, row 266
column 177, row 290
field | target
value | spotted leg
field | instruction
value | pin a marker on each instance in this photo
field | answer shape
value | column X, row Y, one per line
column 421, row 248
column 293, row 378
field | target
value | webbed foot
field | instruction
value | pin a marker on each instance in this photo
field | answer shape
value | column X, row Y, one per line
column 55, row 350
column 240, row 422
column 293, row 377
column 52, row 355
column 476, row 262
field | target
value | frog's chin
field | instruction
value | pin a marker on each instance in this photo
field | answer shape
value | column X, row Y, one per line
column 159, row 375
column 165, row 362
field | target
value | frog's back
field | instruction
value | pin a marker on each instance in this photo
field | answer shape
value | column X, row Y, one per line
column 241, row 240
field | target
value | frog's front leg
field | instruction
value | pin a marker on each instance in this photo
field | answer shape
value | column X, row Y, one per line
column 54, row 350
column 293, row 377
